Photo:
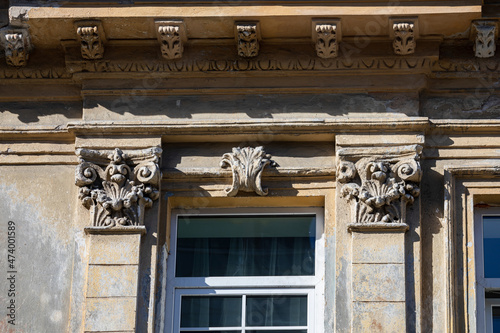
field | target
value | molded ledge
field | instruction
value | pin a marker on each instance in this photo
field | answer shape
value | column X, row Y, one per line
column 378, row 227
column 140, row 229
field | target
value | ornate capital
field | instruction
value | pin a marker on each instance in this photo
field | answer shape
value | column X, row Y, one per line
column 248, row 39
column 118, row 186
column 326, row 40
column 404, row 38
column 91, row 37
column 171, row 35
column 379, row 188
column 484, row 34
column 247, row 165
column 16, row 44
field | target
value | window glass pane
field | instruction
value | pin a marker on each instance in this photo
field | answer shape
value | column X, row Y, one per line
column 491, row 243
column 496, row 319
column 210, row 311
column 245, row 245
column 214, row 331
column 276, row 311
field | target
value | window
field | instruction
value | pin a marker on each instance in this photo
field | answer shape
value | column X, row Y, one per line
column 488, row 271
column 251, row 271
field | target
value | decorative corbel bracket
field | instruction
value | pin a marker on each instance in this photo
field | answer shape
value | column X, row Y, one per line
column 247, row 165
column 404, row 32
column 17, row 46
column 379, row 188
column 172, row 36
column 118, row 186
column 326, row 35
column 92, row 39
column 484, row 34
column 247, row 38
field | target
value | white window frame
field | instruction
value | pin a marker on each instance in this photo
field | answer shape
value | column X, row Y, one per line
column 313, row 286
column 484, row 305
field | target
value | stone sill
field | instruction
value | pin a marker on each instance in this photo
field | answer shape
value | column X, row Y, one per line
column 140, row 229
column 378, row 227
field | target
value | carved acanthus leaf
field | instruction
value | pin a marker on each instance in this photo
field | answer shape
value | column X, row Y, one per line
column 16, row 44
column 404, row 38
column 248, row 42
column 380, row 188
column 247, row 165
column 91, row 37
column 171, row 42
column 117, row 187
column 326, row 41
column 485, row 34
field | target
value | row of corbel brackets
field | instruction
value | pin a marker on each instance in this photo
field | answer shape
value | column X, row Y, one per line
column 326, row 35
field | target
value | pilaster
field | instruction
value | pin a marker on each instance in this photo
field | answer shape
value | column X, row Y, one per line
column 117, row 186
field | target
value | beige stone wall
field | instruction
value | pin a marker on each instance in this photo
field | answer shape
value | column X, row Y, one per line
column 437, row 110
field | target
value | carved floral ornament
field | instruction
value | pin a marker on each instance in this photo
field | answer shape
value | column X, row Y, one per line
column 247, row 39
column 326, row 41
column 484, row 34
column 404, row 38
column 16, row 43
column 118, row 187
column 379, row 188
column 247, row 165
column 91, row 37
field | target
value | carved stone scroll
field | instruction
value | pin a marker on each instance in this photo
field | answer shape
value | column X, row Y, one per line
column 247, row 165
column 484, row 34
column 404, row 38
column 379, row 188
column 248, row 39
column 16, row 44
column 91, row 37
column 171, row 43
column 326, row 41
column 118, row 186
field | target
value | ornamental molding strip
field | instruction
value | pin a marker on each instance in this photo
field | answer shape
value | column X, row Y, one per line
column 247, row 165
column 378, row 188
column 484, row 33
column 92, row 38
column 17, row 46
column 326, row 36
column 117, row 187
column 404, row 38
column 247, row 37
column 172, row 36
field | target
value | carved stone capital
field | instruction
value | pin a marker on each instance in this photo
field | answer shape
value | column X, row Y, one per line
column 247, row 165
column 484, row 33
column 326, row 40
column 118, row 186
column 404, row 38
column 171, row 35
column 16, row 43
column 379, row 188
column 247, row 36
column 91, row 37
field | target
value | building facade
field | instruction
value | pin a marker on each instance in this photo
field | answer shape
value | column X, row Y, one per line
column 250, row 166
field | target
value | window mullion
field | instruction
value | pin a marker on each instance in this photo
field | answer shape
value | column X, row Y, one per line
column 243, row 313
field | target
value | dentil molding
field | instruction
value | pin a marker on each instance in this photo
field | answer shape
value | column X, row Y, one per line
column 117, row 187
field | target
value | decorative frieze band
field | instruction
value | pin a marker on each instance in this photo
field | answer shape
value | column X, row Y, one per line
column 91, row 37
column 484, row 33
column 17, row 46
column 379, row 188
column 118, row 186
column 247, row 36
column 247, row 165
